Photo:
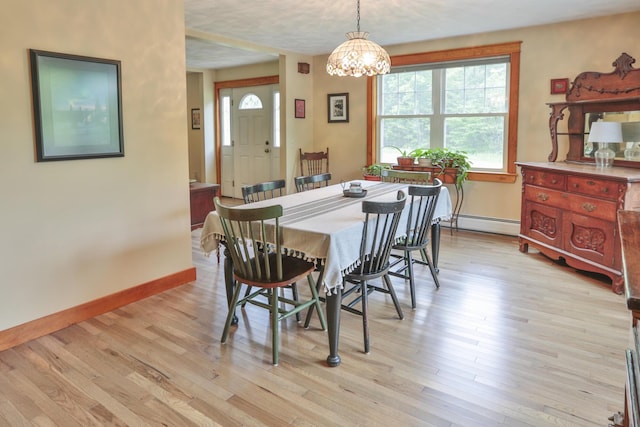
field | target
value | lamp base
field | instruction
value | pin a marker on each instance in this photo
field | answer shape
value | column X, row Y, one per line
column 604, row 156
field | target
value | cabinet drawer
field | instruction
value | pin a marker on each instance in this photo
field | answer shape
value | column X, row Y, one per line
column 592, row 207
column 545, row 179
column 593, row 187
column 545, row 196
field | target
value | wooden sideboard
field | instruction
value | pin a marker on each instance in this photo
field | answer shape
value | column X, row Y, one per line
column 201, row 200
column 569, row 212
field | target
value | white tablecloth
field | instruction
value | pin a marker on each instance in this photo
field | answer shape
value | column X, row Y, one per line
column 323, row 225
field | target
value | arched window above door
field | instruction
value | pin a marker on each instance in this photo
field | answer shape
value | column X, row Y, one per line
column 250, row 102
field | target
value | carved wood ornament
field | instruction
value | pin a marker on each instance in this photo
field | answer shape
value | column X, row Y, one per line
column 593, row 91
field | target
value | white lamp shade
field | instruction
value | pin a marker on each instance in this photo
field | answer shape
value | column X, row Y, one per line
column 358, row 57
column 605, row 132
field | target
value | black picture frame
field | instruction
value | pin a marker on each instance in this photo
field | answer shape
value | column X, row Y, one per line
column 77, row 106
column 195, row 118
column 338, row 107
column 299, row 109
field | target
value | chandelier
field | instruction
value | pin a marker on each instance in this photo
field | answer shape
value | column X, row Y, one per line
column 358, row 56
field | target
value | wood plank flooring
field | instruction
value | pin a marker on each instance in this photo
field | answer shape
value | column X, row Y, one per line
column 509, row 339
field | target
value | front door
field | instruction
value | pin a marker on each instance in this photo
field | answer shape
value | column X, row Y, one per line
column 253, row 156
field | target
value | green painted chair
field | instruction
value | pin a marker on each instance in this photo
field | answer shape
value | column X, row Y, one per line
column 422, row 204
column 310, row 182
column 379, row 231
column 406, row 177
column 253, row 240
column 263, row 191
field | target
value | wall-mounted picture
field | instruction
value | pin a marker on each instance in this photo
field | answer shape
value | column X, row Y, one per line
column 195, row 118
column 77, row 106
column 299, row 109
column 338, row 107
column 559, row 86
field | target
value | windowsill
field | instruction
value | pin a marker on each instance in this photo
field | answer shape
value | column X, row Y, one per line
column 503, row 177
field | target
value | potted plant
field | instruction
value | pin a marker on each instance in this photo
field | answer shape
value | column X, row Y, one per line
column 423, row 156
column 447, row 158
column 406, row 157
column 373, row 172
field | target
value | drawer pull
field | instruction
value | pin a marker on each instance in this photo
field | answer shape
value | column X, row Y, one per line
column 554, row 181
column 591, row 182
column 605, row 190
column 588, row 207
column 542, row 197
column 575, row 185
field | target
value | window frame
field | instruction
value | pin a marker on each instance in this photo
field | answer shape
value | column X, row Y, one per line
column 511, row 49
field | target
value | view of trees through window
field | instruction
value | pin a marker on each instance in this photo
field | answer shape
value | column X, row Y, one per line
column 462, row 106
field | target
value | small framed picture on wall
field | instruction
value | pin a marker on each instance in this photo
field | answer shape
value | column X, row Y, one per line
column 338, row 107
column 299, row 114
column 195, row 118
column 559, row 86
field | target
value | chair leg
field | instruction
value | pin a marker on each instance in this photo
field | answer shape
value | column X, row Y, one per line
column 275, row 325
column 232, row 310
column 392, row 292
column 434, row 273
column 294, row 291
column 365, row 315
column 412, row 287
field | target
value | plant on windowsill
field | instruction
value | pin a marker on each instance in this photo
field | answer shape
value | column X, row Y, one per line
column 373, row 172
column 406, row 157
column 447, row 158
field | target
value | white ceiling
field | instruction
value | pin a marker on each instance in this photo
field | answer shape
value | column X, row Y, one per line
column 226, row 33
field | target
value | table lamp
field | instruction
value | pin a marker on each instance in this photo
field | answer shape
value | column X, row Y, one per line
column 605, row 133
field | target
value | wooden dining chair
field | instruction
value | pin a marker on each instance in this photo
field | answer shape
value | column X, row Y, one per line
column 253, row 239
column 263, row 190
column 422, row 204
column 316, row 163
column 407, row 177
column 310, row 182
column 380, row 226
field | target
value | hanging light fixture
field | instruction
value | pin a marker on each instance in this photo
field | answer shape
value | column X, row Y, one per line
column 358, row 56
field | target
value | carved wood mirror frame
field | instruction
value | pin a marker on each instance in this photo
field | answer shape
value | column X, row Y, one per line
column 594, row 92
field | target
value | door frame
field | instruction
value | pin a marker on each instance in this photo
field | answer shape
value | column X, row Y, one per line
column 232, row 84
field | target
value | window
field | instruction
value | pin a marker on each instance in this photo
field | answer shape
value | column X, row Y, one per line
column 463, row 99
column 225, row 120
column 250, row 102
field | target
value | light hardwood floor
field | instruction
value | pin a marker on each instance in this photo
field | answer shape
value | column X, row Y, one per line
column 509, row 339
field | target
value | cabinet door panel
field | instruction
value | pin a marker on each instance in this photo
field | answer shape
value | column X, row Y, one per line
column 589, row 238
column 543, row 223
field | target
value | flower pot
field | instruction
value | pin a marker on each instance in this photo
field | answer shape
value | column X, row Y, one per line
column 423, row 161
column 405, row 161
column 372, row 178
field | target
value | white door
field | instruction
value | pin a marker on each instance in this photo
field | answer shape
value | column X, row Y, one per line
column 253, row 155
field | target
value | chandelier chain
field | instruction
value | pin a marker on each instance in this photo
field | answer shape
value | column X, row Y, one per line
column 358, row 16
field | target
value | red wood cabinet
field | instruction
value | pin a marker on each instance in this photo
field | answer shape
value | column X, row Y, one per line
column 201, row 200
column 569, row 212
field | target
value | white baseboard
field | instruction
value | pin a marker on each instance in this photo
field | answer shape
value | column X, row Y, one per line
column 487, row 225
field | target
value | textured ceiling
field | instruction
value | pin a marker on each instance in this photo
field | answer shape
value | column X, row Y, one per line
column 226, row 33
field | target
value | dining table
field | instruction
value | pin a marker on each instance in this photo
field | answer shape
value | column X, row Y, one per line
column 325, row 226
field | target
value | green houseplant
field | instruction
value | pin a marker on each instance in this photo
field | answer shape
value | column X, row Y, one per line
column 372, row 172
column 448, row 158
column 406, row 157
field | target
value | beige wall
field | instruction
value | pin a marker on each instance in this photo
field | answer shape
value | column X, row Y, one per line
column 552, row 51
column 75, row 231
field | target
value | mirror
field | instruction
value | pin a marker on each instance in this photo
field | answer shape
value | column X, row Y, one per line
column 629, row 148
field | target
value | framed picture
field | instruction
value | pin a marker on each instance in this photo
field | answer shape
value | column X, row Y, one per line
column 559, row 86
column 338, row 107
column 77, row 106
column 299, row 109
column 195, row 118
